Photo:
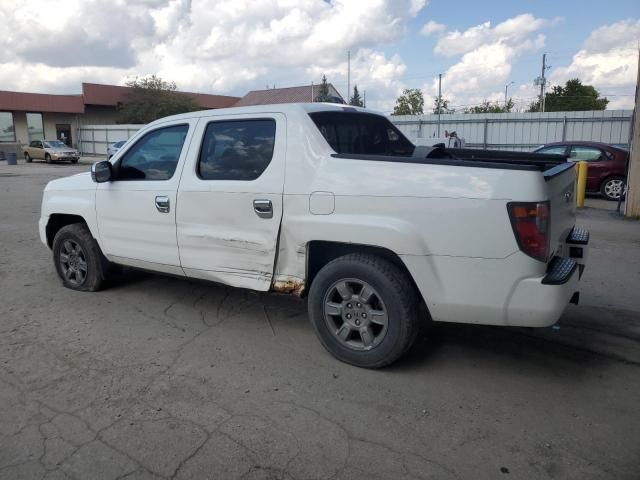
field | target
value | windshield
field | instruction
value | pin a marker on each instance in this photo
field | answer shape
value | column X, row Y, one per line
column 361, row 133
column 54, row 144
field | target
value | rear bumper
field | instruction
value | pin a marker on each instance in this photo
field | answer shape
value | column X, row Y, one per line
column 540, row 302
column 514, row 291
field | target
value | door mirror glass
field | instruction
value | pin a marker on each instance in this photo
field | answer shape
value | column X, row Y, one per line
column 101, row 172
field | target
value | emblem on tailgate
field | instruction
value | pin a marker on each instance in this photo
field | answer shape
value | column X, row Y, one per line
column 568, row 196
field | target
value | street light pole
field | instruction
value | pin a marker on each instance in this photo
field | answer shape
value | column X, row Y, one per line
column 506, row 89
column 439, row 100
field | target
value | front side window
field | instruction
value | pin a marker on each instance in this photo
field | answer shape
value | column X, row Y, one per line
column 55, row 144
column 361, row 133
column 155, row 156
column 585, row 153
column 7, row 130
column 236, row 149
column 34, row 126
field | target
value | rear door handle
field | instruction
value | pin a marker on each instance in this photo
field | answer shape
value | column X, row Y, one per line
column 163, row 204
column 263, row 208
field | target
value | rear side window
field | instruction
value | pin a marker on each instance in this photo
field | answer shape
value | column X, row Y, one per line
column 236, row 149
column 361, row 133
column 585, row 153
column 155, row 156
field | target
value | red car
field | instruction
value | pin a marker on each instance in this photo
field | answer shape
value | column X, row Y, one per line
column 607, row 173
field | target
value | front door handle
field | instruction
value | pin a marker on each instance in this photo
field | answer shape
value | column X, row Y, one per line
column 163, row 204
column 263, row 208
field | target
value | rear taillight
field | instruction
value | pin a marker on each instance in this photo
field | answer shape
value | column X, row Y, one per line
column 530, row 222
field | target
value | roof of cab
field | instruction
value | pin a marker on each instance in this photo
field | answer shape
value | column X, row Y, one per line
column 273, row 108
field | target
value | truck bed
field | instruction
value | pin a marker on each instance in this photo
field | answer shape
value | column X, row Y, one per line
column 549, row 164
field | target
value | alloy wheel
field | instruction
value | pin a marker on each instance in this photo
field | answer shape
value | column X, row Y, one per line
column 73, row 262
column 355, row 313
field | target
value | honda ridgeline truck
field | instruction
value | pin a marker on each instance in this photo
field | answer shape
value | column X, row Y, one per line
column 332, row 203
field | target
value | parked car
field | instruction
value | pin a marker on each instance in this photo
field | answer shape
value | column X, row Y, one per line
column 114, row 147
column 607, row 172
column 50, row 151
column 332, row 203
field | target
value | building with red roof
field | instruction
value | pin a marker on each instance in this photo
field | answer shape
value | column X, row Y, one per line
column 25, row 117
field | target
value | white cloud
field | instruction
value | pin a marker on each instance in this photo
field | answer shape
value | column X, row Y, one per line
column 608, row 61
column 486, row 57
column 511, row 31
column 432, row 27
column 221, row 46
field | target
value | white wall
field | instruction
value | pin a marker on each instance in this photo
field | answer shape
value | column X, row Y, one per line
column 522, row 131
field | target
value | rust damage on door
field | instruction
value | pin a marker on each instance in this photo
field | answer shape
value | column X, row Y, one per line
column 289, row 286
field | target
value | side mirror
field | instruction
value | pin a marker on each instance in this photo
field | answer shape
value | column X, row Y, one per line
column 101, row 172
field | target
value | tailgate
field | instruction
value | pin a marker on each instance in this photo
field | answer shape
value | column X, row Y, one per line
column 561, row 185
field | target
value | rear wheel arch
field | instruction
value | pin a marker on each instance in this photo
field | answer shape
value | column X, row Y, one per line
column 321, row 252
column 607, row 179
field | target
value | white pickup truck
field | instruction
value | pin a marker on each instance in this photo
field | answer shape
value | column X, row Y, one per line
column 331, row 203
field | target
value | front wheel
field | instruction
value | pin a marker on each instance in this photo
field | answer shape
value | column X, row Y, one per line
column 364, row 310
column 612, row 188
column 78, row 258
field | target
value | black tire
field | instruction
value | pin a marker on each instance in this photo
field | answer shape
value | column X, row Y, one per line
column 75, row 160
column 613, row 187
column 27, row 157
column 96, row 266
column 47, row 158
column 397, row 296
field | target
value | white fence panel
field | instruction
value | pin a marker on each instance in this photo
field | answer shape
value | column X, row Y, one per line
column 522, row 131
column 94, row 139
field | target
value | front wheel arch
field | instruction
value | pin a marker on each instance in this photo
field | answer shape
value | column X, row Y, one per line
column 59, row 220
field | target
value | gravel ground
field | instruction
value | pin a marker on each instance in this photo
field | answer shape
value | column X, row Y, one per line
column 163, row 378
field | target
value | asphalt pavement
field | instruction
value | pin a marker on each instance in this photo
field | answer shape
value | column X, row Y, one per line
column 159, row 377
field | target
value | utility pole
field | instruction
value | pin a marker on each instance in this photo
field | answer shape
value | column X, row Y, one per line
column 364, row 99
column 544, row 80
column 506, row 89
column 311, row 91
column 439, row 100
column 348, row 76
column 632, row 204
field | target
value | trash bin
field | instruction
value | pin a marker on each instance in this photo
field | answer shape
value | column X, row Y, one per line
column 11, row 158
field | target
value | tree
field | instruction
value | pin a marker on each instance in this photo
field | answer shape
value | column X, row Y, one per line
column 356, row 100
column 151, row 98
column 442, row 105
column 323, row 91
column 411, row 102
column 573, row 97
column 488, row 107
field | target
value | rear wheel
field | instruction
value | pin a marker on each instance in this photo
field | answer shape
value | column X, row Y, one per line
column 75, row 160
column 612, row 188
column 365, row 310
column 78, row 259
column 47, row 158
column 27, row 157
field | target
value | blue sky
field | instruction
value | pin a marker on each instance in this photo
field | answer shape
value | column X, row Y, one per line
column 233, row 46
column 576, row 21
